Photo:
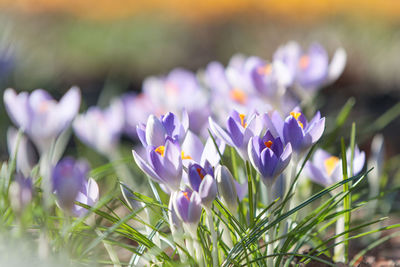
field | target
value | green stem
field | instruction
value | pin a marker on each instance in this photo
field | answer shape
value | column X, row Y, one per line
column 213, row 238
column 250, row 188
column 346, row 203
column 271, row 231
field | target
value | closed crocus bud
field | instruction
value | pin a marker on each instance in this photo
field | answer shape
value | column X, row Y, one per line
column 26, row 156
column 68, row 179
column 203, row 182
column 226, row 188
column 20, row 193
column 88, row 195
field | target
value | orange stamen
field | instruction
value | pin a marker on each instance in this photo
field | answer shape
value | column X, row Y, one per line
column 330, row 164
column 200, row 174
column 304, row 62
column 160, row 150
column 268, row 144
column 242, row 122
column 185, row 194
column 265, row 70
column 238, row 95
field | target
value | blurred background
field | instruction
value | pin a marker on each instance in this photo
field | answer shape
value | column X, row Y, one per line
column 111, row 46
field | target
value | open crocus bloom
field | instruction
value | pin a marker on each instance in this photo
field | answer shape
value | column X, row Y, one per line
column 301, row 133
column 326, row 169
column 101, row 129
column 40, row 116
column 155, row 131
column 163, row 165
column 268, row 77
column 268, row 156
column 239, row 131
column 311, row 69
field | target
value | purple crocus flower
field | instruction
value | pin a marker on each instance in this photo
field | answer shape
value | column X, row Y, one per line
column 26, row 156
column 311, row 69
column 21, row 192
column 101, row 129
column 88, row 195
column 40, row 116
column 163, row 165
column 187, row 205
column 269, row 156
column 301, row 133
column 326, row 169
column 180, row 90
column 268, row 77
column 235, row 85
column 239, row 131
column 68, row 179
column 155, row 131
column 202, row 181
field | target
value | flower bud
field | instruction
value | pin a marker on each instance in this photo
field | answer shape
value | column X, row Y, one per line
column 226, row 188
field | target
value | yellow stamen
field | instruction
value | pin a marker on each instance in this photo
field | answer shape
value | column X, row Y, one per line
column 242, row 122
column 296, row 115
column 200, row 174
column 185, row 194
column 268, row 144
column 238, row 95
column 330, row 164
column 265, row 70
column 304, row 62
column 185, row 156
column 160, row 150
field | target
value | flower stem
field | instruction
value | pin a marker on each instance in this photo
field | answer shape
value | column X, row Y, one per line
column 271, row 231
column 213, row 237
